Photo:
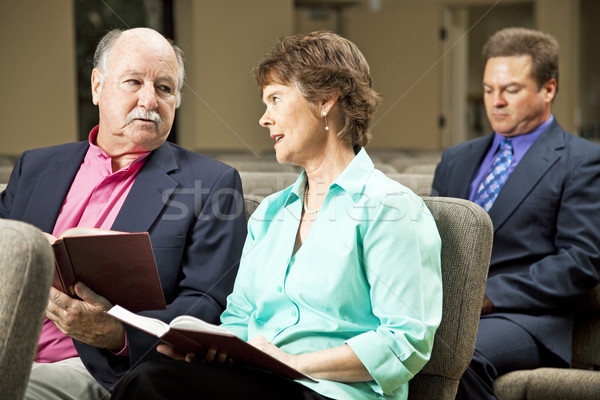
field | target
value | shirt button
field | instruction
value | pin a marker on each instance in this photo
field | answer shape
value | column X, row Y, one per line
column 279, row 289
column 294, row 313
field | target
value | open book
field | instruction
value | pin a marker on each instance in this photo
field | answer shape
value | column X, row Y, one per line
column 190, row 334
column 119, row 266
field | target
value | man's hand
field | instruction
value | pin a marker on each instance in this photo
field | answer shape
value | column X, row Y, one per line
column 85, row 320
column 487, row 307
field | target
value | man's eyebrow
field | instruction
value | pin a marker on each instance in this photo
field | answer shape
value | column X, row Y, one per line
column 135, row 73
column 166, row 78
column 504, row 86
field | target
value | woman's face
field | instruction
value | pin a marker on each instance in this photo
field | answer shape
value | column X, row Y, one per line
column 298, row 131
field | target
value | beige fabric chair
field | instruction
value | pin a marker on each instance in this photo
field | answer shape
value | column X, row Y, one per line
column 2, row 187
column 26, row 271
column 421, row 168
column 262, row 166
column 579, row 382
column 250, row 204
column 8, row 159
column 467, row 233
column 5, row 171
column 418, row 183
column 265, row 183
column 408, row 159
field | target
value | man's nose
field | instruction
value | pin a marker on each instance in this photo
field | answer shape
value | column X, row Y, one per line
column 147, row 97
column 498, row 99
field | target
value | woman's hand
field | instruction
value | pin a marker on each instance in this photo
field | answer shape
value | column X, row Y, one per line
column 337, row 364
column 211, row 355
column 261, row 343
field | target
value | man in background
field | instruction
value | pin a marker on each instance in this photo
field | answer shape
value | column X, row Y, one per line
column 126, row 177
column 541, row 188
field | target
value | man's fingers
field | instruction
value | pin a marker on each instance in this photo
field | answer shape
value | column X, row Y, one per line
column 89, row 296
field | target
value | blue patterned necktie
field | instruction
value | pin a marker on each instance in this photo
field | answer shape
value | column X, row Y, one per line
column 491, row 185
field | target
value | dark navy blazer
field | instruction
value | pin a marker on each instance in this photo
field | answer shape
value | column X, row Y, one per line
column 546, row 230
column 192, row 207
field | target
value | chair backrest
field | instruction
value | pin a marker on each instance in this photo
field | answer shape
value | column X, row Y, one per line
column 2, row 187
column 26, row 268
column 262, row 166
column 250, row 204
column 8, row 159
column 467, row 233
column 265, row 183
column 424, row 168
column 419, row 183
column 5, row 171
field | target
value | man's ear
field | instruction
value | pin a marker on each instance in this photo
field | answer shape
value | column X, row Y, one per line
column 550, row 89
column 96, row 85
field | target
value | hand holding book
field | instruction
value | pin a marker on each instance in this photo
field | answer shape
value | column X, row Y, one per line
column 119, row 266
column 85, row 320
column 187, row 334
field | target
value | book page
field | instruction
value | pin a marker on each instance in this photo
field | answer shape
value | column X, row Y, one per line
column 189, row 323
column 51, row 238
column 150, row 325
column 82, row 230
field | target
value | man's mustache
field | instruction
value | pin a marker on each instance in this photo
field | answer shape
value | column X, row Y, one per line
column 142, row 113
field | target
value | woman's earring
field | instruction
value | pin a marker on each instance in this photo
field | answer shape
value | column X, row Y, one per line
column 325, row 116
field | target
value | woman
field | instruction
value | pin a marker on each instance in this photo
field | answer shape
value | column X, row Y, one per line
column 340, row 274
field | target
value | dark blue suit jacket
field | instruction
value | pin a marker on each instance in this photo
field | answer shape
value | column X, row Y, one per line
column 546, row 230
column 192, row 207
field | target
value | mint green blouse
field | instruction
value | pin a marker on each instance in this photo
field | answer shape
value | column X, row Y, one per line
column 368, row 275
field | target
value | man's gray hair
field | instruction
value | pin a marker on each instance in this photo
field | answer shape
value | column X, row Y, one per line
column 106, row 45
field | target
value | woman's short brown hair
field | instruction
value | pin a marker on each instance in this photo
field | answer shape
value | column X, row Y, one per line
column 322, row 64
column 542, row 48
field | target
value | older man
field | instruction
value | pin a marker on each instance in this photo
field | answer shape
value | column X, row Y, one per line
column 126, row 177
column 541, row 187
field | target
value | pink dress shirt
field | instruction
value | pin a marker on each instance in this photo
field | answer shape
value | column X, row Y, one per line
column 94, row 200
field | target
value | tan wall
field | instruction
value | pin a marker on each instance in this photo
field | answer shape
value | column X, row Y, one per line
column 548, row 12
column 407, row 72
column 38, row 105
column 223, row 40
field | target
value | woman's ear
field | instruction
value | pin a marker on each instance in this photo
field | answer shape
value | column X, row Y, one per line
column 328, row 104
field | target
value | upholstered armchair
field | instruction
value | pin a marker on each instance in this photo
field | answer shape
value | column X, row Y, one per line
column 466, row 231
column 579, row 382
column 26, row 270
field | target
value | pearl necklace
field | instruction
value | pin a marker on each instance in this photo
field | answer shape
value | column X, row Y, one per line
column 306, row 204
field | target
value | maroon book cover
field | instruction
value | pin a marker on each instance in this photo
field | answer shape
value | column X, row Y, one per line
column 119, row 266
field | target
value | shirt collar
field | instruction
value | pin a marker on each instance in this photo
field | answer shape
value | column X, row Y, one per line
column 352, row 179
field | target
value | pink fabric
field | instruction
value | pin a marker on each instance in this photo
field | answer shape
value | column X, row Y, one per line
column 94, row 200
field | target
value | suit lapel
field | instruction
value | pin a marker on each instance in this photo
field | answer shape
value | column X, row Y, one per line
column 149, row 193
column 469, row 165
column 52, row 187
column 544, row 152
